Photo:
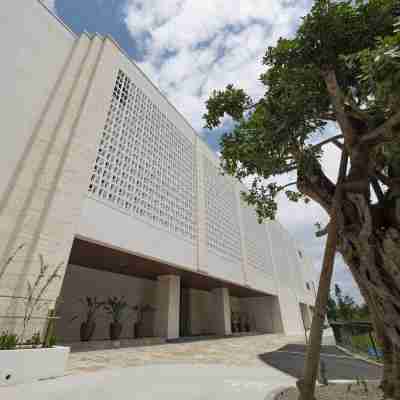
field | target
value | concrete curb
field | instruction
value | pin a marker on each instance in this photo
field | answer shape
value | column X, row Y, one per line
column 274, row 394
column 344, row 381
column 359, row 357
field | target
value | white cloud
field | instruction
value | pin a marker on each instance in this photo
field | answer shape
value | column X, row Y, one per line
column 193, row 47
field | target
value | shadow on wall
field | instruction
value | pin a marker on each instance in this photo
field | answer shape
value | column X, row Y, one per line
column 81, row 282
column 262, row 314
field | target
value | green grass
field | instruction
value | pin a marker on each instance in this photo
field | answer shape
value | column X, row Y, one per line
column 361, row 343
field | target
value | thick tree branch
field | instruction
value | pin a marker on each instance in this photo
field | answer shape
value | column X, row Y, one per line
column 328, row 116
column 330, row 140
column 317, row 187
column 377, row 188
column 354, row 111
column 322, row 232
column 384, row 133
column 389, row 182
column 287, row 185
column 337, row 99
column 338, row 144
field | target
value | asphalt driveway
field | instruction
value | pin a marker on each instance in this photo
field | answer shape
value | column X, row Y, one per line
column 338, row 364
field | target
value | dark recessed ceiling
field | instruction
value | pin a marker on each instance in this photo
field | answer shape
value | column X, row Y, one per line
column 92, row 255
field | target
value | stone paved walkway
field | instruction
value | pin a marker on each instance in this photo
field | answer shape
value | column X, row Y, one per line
column 238, row 351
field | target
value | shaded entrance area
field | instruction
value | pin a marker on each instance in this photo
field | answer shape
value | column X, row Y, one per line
column 338, row 365
column 178, row 302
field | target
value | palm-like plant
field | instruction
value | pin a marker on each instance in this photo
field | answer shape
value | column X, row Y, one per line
column 140, row 310
column 115, row 307
column 89, row 325
column 93, row 305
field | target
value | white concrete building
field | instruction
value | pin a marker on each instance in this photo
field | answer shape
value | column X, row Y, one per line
column 101, row 172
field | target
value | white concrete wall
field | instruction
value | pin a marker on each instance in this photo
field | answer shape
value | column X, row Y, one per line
column 227, row 242
column 34, row 48
column 287, row 275
column 80, row 282
column 52, row 144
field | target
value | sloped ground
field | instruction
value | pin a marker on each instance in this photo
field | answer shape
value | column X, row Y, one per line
column 235, row 351
column 338, row 365
column 227, row 368
column 158, row 382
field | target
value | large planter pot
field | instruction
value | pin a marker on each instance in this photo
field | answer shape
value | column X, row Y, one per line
column 87, row 330
column 115, row 330
column 27, row 365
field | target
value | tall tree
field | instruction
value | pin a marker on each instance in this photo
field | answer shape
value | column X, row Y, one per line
column 341, row 67
column 332, row 309
column 346, row 304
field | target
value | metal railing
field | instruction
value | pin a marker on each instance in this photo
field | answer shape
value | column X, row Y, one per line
column 357, row 336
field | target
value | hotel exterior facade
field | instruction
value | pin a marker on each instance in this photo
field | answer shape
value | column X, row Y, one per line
column 100, row 172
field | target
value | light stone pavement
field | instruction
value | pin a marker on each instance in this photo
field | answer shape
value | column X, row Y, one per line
column 235, row 351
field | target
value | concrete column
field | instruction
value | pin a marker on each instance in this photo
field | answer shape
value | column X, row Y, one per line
column 222, row 311
column 168, row 304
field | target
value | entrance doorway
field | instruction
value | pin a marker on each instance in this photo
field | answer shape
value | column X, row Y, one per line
column 184, row 313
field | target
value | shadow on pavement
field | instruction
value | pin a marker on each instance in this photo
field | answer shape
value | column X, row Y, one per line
column 338, row 364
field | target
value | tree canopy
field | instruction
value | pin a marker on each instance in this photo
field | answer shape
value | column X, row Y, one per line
column 343, row 307
column 351, row 45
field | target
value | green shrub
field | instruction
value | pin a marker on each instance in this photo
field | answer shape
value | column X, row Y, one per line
column 8, row 341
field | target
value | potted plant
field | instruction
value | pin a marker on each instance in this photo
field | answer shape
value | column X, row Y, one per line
column 235, row 322
column 140, row 309
column 88, row 326
column 115, row 307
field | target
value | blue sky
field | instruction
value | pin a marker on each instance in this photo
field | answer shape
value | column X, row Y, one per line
column 188, row 48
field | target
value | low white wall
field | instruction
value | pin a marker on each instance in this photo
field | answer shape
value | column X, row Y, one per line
column 80, row 282
column 28, row 365
column 291, row 314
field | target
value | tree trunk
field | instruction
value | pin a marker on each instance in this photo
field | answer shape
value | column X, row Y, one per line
column 373, row 256
column 387, row 384
column 306, row 386
column 396, row 373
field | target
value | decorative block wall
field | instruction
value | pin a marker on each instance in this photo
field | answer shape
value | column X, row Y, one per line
column 145, row 166
column 223, row 230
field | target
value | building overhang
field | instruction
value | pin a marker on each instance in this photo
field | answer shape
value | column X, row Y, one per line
column 101, row 257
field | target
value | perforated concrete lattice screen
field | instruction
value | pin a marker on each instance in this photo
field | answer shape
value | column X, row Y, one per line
column 223, row 232
column 145, row 166
column 255, row 241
